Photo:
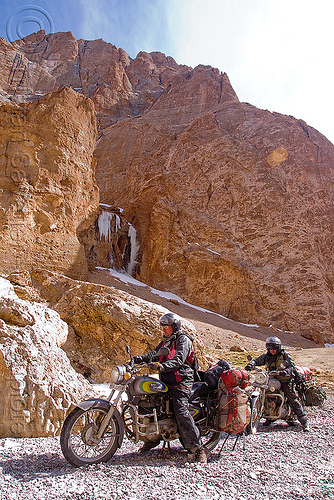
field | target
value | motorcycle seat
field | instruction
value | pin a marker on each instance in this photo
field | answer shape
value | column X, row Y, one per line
column 200, row 390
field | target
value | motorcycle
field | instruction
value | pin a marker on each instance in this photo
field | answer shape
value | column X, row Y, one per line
column 138, row 406
column 267, row 400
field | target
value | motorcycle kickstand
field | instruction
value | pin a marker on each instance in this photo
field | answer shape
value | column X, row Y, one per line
column 165, row 453
column 235, row 442
column 221, row 449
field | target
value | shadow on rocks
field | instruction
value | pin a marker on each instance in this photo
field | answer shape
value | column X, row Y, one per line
column 34, row 466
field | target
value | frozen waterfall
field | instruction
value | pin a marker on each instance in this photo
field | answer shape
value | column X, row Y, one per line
column 134, row 247
column 104, row 224
column 106, row 229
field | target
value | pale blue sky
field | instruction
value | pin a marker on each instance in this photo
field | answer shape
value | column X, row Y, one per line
column 277, row 53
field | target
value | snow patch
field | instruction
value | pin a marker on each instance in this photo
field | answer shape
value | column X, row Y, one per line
column 7, row 289
column 126, row 278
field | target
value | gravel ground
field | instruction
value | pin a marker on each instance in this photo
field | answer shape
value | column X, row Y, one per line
column 278, row 463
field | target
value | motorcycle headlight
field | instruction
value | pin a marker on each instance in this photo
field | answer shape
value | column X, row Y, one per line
column 118, row 374
column 261, row 378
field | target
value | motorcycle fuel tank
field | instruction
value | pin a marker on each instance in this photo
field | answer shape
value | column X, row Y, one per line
column 147, row 385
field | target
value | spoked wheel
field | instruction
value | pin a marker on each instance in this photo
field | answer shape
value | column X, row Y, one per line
column 256, row 411
column 211, row 440
column 78, row 438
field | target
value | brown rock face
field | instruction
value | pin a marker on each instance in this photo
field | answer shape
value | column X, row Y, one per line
column 48, row 190
column 119, row 86
column 233, row 210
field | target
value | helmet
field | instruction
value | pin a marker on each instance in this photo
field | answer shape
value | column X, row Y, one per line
column 273, row 343
column 171, row 319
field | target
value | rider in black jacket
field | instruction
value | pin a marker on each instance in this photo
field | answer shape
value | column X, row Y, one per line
column 277, row 359
column 177, row 372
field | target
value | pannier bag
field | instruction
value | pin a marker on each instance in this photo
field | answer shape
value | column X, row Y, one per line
column 232, row 377
column 232, row 414
column 235, row 378
column 303, row 372
column 314, row 394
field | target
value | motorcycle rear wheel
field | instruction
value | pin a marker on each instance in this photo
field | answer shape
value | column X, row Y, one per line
column 256, row 412
column 77, row 438
column 211, row 440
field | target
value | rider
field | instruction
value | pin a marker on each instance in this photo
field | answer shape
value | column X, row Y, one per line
column 177, row 373
column 277, row 359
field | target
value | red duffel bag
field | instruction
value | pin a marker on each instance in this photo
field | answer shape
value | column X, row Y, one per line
column 235, row 377
column 304, row 372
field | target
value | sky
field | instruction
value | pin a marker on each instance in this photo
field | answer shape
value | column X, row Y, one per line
column 278, row 54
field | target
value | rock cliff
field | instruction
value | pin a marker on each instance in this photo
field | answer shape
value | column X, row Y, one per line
column 233, row 210
column 233, row 206
column 49, row 196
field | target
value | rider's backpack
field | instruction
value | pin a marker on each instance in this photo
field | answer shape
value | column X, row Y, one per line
column 314, row 394
column 232, row 415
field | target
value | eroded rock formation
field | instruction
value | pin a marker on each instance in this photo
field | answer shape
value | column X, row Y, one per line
column 48, row 191
column 37, row 382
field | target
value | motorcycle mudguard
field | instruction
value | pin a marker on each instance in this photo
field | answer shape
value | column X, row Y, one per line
column 102, row 403
column 89, row 403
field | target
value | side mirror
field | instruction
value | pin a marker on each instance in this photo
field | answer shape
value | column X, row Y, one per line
column 127, row 348
column 163, row 351
column 249, row 357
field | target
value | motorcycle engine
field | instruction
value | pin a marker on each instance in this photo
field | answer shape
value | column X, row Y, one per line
column 271, row 407
column 167, row 430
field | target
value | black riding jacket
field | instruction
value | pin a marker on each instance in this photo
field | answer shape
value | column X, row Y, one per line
column 177, row 369
column 275, row 363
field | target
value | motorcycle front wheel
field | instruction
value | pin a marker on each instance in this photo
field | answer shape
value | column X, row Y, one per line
column 78, row 439
column 256, row 412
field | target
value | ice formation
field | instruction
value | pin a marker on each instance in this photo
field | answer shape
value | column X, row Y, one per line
column 134, row 247
column 104, row 224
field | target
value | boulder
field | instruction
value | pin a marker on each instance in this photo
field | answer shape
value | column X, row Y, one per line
column 37, row 382
column 101, row 321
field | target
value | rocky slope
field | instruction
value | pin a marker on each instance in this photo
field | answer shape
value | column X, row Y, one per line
column 233, row 206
